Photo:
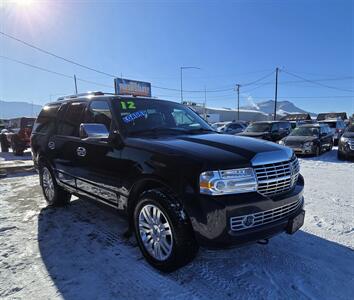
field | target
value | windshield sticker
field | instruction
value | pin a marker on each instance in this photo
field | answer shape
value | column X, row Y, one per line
column 127, row 104
column 133, row 116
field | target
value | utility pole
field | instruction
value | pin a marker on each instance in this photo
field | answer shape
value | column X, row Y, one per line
column 276, row 93
column 75, row 84
column 238, row 101
column 181, row 85
column 205, row 100
column 183, row 68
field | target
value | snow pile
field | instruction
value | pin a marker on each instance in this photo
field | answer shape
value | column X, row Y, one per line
column 79, row 252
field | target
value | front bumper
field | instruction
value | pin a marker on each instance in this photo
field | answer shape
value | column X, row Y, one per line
column 211, row 217
column 303, row 150
column 346, row 149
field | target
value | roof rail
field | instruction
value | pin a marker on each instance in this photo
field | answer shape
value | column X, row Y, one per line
column 95, row 93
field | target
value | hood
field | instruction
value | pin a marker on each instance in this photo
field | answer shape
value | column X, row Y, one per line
column 348, row 134
column 216, row 150
column 299, row 139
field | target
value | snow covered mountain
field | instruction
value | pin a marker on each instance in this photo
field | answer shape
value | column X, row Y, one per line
column 10, row 110
column 283, row 107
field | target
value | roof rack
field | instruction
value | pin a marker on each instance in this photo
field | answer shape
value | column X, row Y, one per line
column 95, row 93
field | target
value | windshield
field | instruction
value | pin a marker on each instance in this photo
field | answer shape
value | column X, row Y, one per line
column 305, row 131
column 258, row 127
column 350, row 128
column 140, row 116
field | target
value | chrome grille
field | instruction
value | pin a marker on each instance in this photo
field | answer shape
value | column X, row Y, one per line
column 293, row 144
column 277, row 178
column 257, row 219
column 351, row 144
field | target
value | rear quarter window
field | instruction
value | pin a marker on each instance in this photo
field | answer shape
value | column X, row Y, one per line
column 74, row 116
column 46, row 119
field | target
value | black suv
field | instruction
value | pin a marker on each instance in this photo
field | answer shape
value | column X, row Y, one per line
column 268, row 130
column 179, row 183
column 346, row 144
column 309, row 139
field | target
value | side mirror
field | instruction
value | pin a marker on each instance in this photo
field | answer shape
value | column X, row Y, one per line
column 94, row 131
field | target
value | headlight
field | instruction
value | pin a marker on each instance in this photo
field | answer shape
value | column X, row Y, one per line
column 281, row 142
column 232, row 181
column 344, row 139
column 308, row 144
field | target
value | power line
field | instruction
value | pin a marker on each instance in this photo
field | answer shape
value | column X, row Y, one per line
column 54, row 72
column 258, row 80
column 87, row 67
column 230, row 96
column 316, row 82
column 55, row 55
column 157, row 87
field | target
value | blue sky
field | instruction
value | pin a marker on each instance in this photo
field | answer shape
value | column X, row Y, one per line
column 230, row 41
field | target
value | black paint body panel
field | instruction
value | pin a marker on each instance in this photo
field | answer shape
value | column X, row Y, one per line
column 109, row 173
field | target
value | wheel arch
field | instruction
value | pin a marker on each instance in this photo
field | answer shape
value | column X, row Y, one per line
column 142, row 185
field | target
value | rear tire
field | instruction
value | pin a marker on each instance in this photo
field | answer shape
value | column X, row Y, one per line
column 163, row 231
column 54, row 194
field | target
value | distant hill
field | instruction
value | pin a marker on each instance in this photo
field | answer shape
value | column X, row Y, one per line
column 283, row 108
column 10, row 110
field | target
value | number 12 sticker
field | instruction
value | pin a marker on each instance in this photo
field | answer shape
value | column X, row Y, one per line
column 127, row 105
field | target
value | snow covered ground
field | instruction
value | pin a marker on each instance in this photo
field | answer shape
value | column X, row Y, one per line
column 78, row 252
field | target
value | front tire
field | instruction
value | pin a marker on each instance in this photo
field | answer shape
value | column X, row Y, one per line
column 53, row 193
column 163, row 231
column 331, row 146
column 340, row 155
column 318, row 150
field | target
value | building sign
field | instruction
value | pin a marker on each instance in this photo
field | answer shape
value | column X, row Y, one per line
column 132, row 87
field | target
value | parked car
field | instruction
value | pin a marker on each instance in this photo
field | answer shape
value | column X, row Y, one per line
column 337, row 128
column 268, row 130
column 178, row 182
column 232, row 127
column 19, row 133
column 346, row 144
column 309, row 139
column 218, row 125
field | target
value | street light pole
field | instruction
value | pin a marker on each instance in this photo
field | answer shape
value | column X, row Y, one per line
column 182, row 68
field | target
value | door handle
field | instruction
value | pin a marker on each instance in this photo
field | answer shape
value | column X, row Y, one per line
column 81, row 151
column 51, row 145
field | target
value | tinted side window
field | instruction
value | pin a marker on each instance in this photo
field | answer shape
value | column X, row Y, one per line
column 73, row 117
column 284, row 126
column 275, row 127
column 99, row 112
column 46, row 119
column 181, row 117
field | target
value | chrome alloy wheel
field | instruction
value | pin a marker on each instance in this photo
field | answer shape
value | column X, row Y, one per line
column 48, row 184
column 155, row 232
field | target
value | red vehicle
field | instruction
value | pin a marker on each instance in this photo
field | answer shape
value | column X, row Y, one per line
column 19, row 134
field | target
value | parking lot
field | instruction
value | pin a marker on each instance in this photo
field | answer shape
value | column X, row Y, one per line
column 80, row 252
